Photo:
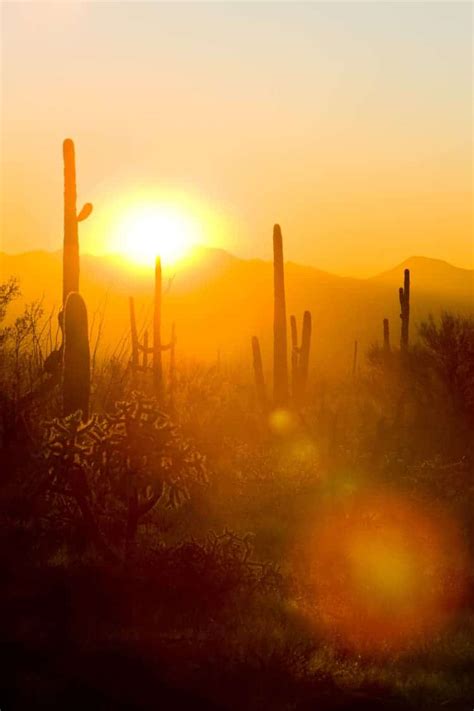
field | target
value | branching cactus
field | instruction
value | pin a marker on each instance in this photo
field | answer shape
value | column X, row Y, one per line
column 76, row 357
column 71, row 221
column 404, row 295
column 157, row 348
column 299, row 354
column 280, row 356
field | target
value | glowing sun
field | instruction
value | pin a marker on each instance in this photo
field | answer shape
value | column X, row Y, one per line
column 146, row 232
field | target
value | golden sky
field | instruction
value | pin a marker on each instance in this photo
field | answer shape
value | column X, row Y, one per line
column 348, row 123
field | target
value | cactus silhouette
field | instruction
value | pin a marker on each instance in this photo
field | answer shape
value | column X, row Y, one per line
column 258, row 372
column 71, row 220
column 133, row 333
column 158, row 347
column 404, row 295
column 145, row 350
column 76, row 357
column 280, row 359
column 157, row 363
column 354, row 360
column 386, row 335
column 300, row 357
column 172, row 364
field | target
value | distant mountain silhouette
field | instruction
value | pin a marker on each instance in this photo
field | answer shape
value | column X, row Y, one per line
column 433, row 275
column 219, row 301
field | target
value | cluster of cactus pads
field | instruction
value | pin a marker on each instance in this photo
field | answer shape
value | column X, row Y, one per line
column 73, row 318
column 158, row 347
column 282, row 392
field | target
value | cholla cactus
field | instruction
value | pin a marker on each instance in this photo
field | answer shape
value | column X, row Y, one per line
column 121, row 465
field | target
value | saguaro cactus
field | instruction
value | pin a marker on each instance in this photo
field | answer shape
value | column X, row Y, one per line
column 156, row 349
column 71, row 221
column 300, row 356
column 76, row 357
column 258, row 372
column 354, row 360
column 133, row 333
column 172, row 364
column 280, row 361
column 404, row 295
column 386, row 335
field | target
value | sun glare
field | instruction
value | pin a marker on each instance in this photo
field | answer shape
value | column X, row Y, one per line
column 158, row 230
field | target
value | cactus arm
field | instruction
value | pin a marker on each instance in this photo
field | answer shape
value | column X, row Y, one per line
column 85, row 212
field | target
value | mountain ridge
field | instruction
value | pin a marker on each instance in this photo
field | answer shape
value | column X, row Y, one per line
column 220, row 301
column 410, row 262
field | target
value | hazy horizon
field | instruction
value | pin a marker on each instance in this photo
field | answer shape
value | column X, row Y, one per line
column 174, row 268
column 347, row 123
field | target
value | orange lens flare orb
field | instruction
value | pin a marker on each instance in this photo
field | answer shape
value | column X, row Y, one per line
column 384, row 573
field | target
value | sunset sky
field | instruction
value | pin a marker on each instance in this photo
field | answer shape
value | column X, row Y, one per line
column 348, row 123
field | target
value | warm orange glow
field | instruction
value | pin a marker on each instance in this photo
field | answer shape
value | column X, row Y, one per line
column 384, row 573
column 147, row 231
column 282, row 422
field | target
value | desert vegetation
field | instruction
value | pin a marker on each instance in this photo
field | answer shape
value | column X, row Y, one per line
column 213, row 535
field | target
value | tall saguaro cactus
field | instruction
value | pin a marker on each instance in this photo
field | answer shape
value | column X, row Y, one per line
column 404, row 295
column 157, row 362
column 76, row 357
column 71, row 221
column 280, row 360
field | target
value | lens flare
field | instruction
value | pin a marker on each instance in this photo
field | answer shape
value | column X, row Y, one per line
column 384, row 574
column 282, row 422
